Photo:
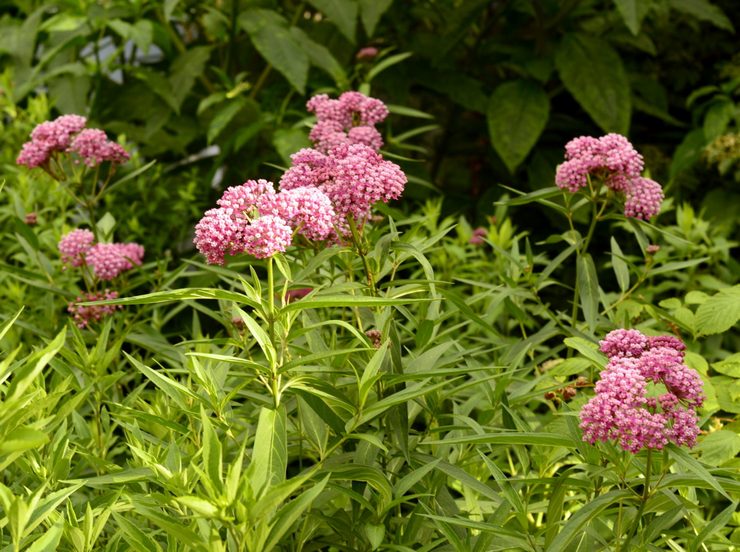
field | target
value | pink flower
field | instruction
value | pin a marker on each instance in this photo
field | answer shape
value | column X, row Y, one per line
column 267, row 236
column 241, row 201
column 48, row 137
column 75, row 245
column 218, row 234
column 368, row 52
column 353, row 177
column 83, row 315
column 305, row 209
column 350, row 119
column 93, row 147
column 58, row 133
column 621, row 410
column 644, row 197
column 108, row 260
column 620, row 343
column 611, row 156
column 479, row 236
column 34, row 154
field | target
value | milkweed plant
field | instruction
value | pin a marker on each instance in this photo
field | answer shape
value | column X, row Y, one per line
column 358, row 378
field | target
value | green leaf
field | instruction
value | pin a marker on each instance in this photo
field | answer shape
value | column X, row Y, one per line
column 717, row 523
column 369, row 375
column 290, row 513
column 593, row 73
column 371, row 12
column 588, row 349
column 517, row 114
column 719, row 447
column 390, row 61
column 272, row 38
column 26, row 375
column 694, row 467
column 321, row 57
column 173, row 389
column 212, row 452
column 588, row 289
column 342, row 13
column 632, row 12
column 503, row 438
column 287, row 141
column 718, row 117
column 270, row 457
column 199, row 505
column 185, row 69
column 23, row 438
column 50, row 540
column 582, row 517
column 688, row 152
column 621, row 271
column 703, row 11
column 223, row 117
column 720, row 312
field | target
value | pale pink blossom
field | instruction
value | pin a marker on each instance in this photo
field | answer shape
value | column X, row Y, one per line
column 109, row 260
column 93, row 147
column 621, row 410
column 267, row 236
column 75, row 245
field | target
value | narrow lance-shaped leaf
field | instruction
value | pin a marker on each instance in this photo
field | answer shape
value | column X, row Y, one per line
column 270, row 457
column 620, row 267
column 588, row 289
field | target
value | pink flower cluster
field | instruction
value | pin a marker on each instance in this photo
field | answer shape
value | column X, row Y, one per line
column 253, row 218
column 83, row 315
column 353, row 177
column 613, row 159
column 349, row 119
column 344, row 176
column 107, row 260
column 67, row 134
column 622, row 409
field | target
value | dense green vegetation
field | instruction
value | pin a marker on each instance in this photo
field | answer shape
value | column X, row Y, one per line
column 411, row 383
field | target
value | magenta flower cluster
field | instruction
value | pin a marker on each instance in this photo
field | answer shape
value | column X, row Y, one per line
column 349, row 119
column 623, row 412
column 613, row 159
column 354, row 177
column 107, row 260
column 253, row 218
column 67, row 134
column 321, row 189
column 83, row 315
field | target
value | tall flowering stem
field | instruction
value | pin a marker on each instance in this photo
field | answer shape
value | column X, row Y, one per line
column 357, row 241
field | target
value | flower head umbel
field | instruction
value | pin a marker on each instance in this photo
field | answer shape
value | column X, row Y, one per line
column 107, row 260
column 613, row 160
column 349, row 119
column 354, row 177
column 623, row 411
column 83, row 315
column 93, row 147
column 74, row 246
column 307, row 209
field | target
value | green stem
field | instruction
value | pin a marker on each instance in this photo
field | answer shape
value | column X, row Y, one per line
column 596, row 213
column 359, row 247
column 274, row 376
column 643, row 500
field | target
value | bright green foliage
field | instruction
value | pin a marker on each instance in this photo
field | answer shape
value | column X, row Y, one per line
column 215, row 413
